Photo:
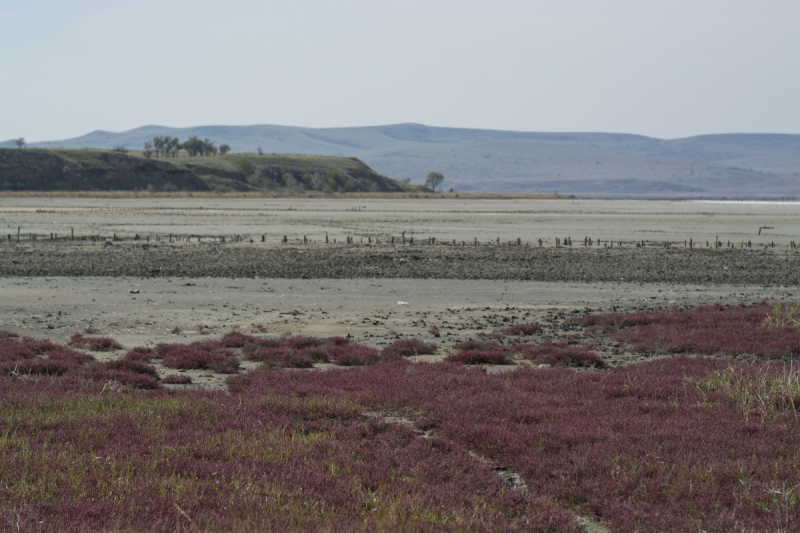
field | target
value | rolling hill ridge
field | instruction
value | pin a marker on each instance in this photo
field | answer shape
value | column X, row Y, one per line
column 589, row 164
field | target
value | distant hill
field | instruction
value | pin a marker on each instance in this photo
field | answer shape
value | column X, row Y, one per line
column 55, row 169
column 596, row 164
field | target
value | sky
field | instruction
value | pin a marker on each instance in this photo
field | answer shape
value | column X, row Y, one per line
column 667, row 68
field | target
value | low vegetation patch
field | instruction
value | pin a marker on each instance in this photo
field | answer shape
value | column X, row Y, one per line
column 208, row 355
column 761, row 330
column 354, row 355
column 177, row 379
column 141, row 353
column 24, row 359
column 407, row 348
column 95, row 344
column 559, row 354
column 479, row 352
column 303, row 352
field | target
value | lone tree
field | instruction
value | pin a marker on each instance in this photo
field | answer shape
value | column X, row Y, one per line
column 433, row 180
column 20, row 142
column 224, row 149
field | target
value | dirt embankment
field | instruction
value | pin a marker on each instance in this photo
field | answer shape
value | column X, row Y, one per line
column 722, row 266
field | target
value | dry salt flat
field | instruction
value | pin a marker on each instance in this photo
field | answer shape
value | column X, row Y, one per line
column 138, row 291
column 444, row 219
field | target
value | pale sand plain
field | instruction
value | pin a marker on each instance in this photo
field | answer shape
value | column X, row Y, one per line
column 448, row 219
column 367, row 308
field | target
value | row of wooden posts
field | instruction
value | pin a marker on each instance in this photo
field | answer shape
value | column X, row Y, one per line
column 566, row 241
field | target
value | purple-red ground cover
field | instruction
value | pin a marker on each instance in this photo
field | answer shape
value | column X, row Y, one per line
column 177, row 379
column 474, row 352
column 708, row 329
column 211, row 355
column 21, row 358
column 644, row 447
column 141, row 353
column 303, row 352
column 81, row 458
column 675, row 444
column 95, row 344
column 406, row 348
column 559, row 354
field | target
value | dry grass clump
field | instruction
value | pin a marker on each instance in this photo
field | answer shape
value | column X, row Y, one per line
column 783, row 316
column 764, row 390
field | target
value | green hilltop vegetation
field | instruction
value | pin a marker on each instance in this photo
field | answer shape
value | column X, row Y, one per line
column 37, row 169
column 473, row 160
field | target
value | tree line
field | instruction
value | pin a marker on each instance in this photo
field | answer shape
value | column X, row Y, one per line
column 168, row 146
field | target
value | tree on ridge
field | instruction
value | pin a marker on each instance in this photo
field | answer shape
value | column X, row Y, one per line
column 433, row 180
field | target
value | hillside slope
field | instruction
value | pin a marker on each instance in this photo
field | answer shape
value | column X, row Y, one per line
column 104, row 170
column 90, row 170
column 597, row 164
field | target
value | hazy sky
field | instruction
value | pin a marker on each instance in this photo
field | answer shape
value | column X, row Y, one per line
column 668, row 68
